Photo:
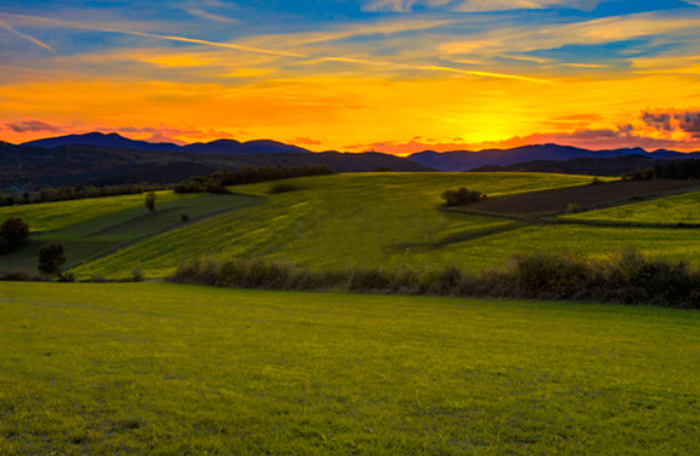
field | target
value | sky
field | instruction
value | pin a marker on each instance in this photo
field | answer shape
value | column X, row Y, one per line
column 397, row 76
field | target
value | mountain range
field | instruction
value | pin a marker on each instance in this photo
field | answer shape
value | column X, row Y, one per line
column 220, row 146
column 460, row 160
column 463, row 160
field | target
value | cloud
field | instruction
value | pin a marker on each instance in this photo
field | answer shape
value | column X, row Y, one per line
column 660, row 121
column 469, row 6
column 507, row 40
column 29, row 38
column 307, row 141
column 305, row 58
column 181, row 39
column 672, row 121
column 24, row 126
column 626, row 136
column 505, row 5
column 212, row 17
column 401, row 5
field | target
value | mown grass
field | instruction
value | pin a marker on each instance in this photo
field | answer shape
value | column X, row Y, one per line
column 167, row 369
column 90, row 237
column 684, row 208
column 366, row 220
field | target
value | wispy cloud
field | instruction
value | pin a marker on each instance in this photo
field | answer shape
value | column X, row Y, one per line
column 471, row 6
column 593, row 32
column 87, row 26
column 25, row 126
column 297, row 55
column 211, row 16
column 29, row 38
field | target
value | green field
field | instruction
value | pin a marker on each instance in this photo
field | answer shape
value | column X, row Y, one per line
column 374, row 220
column 165, row 369
column 56, row 215
column 684, row 208
column 93, row 227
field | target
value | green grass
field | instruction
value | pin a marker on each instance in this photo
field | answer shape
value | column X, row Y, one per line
column 368, row 220
column 162, row 369
column 107, row 231
column 684, row 208
column 56, row 215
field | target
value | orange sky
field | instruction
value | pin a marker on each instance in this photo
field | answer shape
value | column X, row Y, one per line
column 393, row 80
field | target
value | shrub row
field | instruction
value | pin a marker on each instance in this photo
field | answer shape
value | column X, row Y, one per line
column 625, row 278
column 219, row 180
column 677, row 169
column 80, row 191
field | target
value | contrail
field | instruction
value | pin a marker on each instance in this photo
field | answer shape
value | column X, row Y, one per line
column 11, row 29
column 485, row 74
column 62, row 23
column 307, row 58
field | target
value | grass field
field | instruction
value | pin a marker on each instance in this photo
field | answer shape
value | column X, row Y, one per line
column 57, row 215
column 368, row 220
column 683, row 208
column 163, row 369
column 117, row 221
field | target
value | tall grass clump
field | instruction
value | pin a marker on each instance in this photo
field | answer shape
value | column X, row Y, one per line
column 626, row 277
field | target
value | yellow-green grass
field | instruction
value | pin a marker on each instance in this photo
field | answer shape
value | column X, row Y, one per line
column 161, row 369
column 372, row 220
column 107, row 231
column 588, row 241
column 684, row 208
column 55, row 215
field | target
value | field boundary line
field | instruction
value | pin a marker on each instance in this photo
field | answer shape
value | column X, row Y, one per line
column 130, row 242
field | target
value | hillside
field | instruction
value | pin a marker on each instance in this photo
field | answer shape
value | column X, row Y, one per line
column 613, row 166
column 34, row 167
column 389, row 220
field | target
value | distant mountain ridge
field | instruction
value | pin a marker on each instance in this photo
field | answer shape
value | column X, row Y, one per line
column 464, row 160
column 219, row 146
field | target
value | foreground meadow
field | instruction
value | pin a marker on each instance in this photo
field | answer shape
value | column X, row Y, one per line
column 164, row 369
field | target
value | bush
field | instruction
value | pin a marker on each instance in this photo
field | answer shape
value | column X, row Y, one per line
column 13, row 234
column 284, row 187
column 20, row 275
column 150, row 201
column 625, row 278
column 137, row 275
column 461, row 197
column 185, row 218
column 52, row 256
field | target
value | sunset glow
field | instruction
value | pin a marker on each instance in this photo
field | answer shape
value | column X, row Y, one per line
column 398, row 76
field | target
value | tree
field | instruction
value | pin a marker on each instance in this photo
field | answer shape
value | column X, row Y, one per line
column 52, row 256
column 151, row 201
column 13, row 234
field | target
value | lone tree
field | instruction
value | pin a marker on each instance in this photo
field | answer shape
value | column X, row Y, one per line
column 151, row 201
column 52, row 256
column 13, row 234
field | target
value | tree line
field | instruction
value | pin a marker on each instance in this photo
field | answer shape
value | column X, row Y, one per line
column 219, row 180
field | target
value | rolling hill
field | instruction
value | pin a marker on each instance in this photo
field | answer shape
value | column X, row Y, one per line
column 32, row 168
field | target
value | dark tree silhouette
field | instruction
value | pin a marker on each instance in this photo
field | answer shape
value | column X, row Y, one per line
column 52, row 256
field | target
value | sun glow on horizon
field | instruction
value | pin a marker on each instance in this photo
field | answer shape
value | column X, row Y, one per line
column 398, row 81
